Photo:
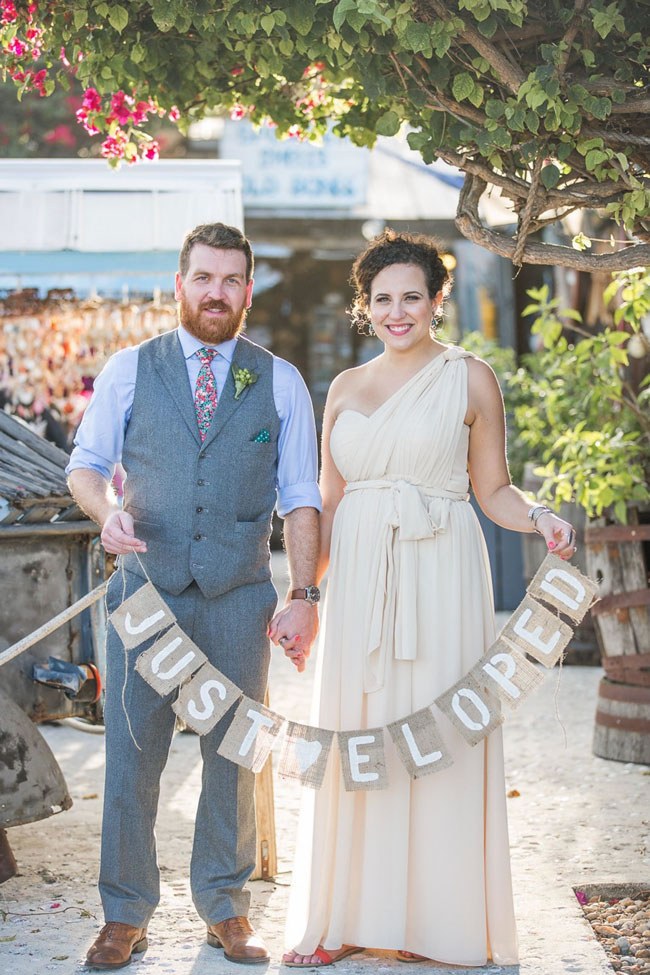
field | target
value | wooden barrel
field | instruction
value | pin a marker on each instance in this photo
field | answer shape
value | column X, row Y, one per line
column 622, row 729
column 618, row 559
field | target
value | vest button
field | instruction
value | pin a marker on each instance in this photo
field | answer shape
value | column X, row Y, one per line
column 198, row 537
column 199, row 510
column 201, row 482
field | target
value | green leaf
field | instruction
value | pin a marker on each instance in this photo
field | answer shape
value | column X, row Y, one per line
column 80, row 17
column 462, row 86
column 388, row 124
column 417, row 37
column 118, row 17
column 550, row 176
column 267, row 23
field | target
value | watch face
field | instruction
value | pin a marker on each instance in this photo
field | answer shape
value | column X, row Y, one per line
column 312, row 594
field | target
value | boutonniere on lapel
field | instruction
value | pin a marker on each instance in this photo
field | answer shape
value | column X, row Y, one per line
column 243, row 379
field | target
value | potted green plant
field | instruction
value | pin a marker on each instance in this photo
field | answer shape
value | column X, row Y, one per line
column 580, row 412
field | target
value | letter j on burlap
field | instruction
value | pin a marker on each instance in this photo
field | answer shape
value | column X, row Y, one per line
column 141, row 616
column 363, row 761
column 251, row 735
column 419, row 744
column 304, row 754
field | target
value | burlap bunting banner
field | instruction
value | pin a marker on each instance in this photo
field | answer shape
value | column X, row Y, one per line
column 537, row 631
column 503, row 676
column 171, row 660
column 251, row 735
column 420, row 744
column 510, row 676
column 471, row 708
column 205, row 699
column 304, row 754
column 363, row 762
column 141, row 616
column 564, row 587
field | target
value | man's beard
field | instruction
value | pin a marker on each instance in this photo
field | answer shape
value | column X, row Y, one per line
column 209, row 330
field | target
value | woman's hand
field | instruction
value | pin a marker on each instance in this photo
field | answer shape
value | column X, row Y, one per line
column 559, row 535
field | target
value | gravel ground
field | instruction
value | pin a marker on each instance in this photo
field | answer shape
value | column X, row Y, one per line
column 622, row 926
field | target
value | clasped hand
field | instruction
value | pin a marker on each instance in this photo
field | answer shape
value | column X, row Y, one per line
column 294, row 628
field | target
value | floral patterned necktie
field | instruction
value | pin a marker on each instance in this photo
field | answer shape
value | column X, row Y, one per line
column 205, row 396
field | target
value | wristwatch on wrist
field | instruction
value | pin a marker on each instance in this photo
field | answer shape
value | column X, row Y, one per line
column 311, row 594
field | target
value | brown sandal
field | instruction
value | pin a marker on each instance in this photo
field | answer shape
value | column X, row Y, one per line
column 409, row 956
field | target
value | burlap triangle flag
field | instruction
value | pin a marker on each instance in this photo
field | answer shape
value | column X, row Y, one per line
column 363, row 761
column 563, row 586
column 420, row 744
column 141, row 616
column 170, row 661
column 509, row 675
column 534, row 629
column 251, row 735
column 204, row 700
column 471, row 708
column 304, row 754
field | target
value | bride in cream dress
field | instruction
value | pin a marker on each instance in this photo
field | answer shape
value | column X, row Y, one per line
column 421, row 867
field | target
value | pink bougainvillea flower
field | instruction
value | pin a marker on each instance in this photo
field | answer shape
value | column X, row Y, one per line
column 581, row 896
column 235, row 72
column 92, row 100
column 174, row 113
column 15, row 46
column 150, row 151
column 237, row 112
column 9, row 12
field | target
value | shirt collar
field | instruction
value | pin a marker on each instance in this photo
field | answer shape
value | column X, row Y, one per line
column 190, row 345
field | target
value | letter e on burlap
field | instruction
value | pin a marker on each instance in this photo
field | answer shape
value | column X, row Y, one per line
column 363, row 761
column 141, row 616
column 205, row 699
column 536, row 630
column 251, row 735
column 563, row 586
column 304, row 754
column 471, row 708
column 170, row 661
column 419, row 744
column 510, row 675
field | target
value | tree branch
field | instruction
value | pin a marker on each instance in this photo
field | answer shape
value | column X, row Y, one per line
column 470, row 226
column 509, row 73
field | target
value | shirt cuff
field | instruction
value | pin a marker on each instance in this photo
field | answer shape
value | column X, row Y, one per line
column 305, row 495
column 80, row 462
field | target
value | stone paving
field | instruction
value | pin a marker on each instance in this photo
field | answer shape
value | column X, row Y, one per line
column 575, row 820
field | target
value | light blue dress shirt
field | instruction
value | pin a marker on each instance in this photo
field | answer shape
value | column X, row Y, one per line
column 100, row 437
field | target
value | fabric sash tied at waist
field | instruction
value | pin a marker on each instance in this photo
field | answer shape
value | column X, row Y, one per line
column 417, row 512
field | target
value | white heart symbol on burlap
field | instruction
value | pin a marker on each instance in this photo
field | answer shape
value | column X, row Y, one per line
column 307, row 752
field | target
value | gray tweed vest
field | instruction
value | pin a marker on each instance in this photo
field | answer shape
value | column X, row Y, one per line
column 204, row 509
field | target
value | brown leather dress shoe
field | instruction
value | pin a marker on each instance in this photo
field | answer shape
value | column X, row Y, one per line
column 115, row 945
column 239, row 941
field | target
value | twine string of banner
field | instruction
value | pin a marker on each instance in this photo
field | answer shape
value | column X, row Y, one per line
column 122, row 572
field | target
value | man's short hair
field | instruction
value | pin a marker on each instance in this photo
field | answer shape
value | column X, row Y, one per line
column 221, row 237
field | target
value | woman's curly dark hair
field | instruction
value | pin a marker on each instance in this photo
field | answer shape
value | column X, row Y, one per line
column 392, row 247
